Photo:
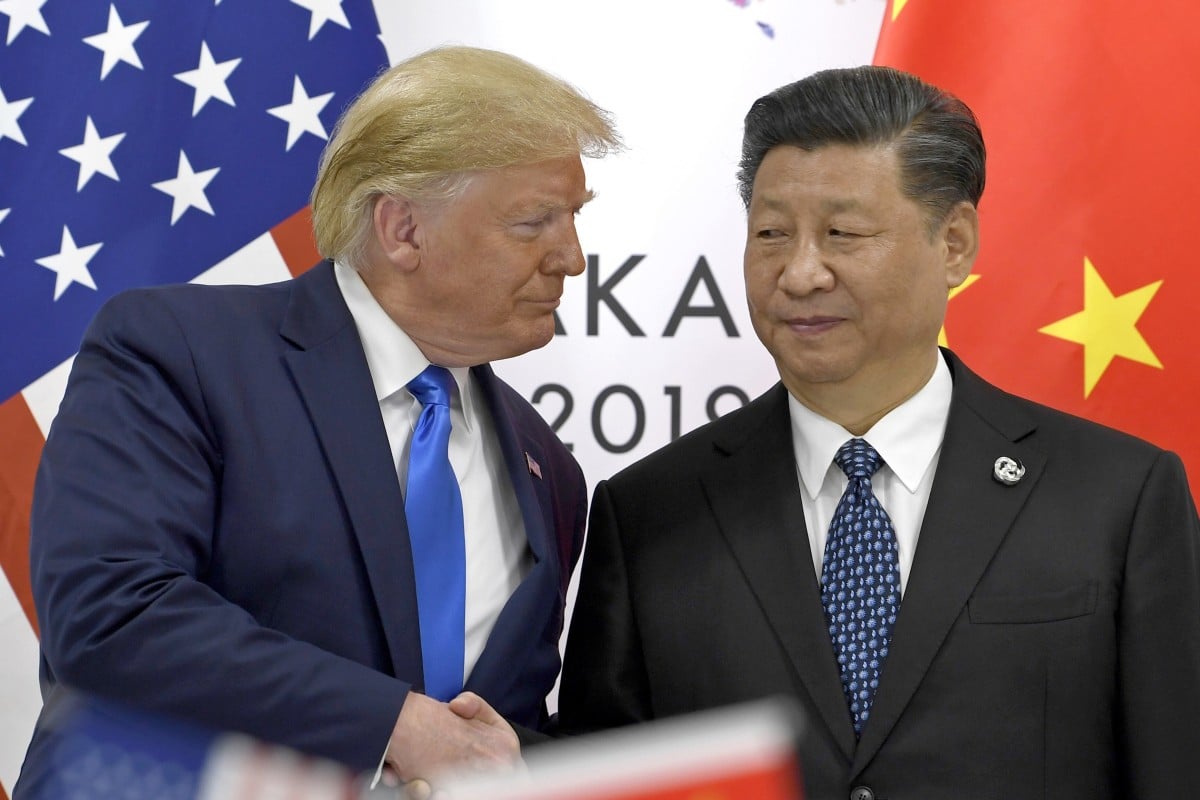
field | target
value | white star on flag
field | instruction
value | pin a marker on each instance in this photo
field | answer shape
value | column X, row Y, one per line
column 94, row 155
column 323, row 11
column 117, row 42
column 187, row 188
column 3, row 214
column 302, row 114
column 70, row 264
column 24, row 14
column 10, row 112
column 208, row 79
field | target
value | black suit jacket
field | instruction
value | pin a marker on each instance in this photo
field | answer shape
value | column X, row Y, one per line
column 218, row 530
column 1047, row 646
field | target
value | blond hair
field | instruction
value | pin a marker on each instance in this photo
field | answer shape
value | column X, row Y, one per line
column 424, row 125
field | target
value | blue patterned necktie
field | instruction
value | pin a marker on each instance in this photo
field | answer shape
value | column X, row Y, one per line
column 860, row 580
column 433, row 508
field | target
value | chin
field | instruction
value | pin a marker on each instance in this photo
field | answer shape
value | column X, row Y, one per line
column 538, row 342
column 815, row 371
column 511, row 348
column 542, row 334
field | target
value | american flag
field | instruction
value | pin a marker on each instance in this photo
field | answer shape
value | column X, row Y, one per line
column 142, row 142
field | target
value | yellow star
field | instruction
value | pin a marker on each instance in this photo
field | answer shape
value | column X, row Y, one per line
column 897, row 7
column 1106, row 327
column 957, row 290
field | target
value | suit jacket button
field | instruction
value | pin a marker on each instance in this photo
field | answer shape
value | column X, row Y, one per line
column 862, row 793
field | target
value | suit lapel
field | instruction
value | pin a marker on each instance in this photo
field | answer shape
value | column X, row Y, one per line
column 755, row 497
column 968, row 515
column 331, row 374
column 518, row 627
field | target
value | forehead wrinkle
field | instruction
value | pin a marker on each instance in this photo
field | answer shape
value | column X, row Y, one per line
column 770, row 203
column 832, row 205
column 838, row 205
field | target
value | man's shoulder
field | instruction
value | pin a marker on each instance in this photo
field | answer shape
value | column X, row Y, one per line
column 1098, row 454
column 206, row 316
column 1055, row 430
column 187, row 300
column 696, row 450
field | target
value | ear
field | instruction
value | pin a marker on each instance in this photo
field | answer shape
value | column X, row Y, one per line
column 960, row 237
column 393, row 218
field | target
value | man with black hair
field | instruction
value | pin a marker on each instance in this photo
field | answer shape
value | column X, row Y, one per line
column 969, row 595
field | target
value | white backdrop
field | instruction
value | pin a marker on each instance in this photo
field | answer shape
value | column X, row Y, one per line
column 678, row 75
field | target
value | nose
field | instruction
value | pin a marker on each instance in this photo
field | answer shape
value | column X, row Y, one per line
column 567, row 255
column 806, row 270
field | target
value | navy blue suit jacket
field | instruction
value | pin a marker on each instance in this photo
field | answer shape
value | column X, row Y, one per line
column 218, row 531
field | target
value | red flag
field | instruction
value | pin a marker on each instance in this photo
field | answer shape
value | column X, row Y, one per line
column 723, row 754
column 1086, row 284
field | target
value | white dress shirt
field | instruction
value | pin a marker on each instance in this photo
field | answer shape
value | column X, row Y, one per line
column 497, row 550
column 909, row 439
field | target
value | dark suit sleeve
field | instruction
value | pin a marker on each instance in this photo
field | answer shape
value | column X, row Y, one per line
column 604, row 682
column 123, row 521
column 1159, row 639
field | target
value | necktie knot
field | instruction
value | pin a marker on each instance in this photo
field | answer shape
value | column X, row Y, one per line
column 432, row 386
column 858, row 459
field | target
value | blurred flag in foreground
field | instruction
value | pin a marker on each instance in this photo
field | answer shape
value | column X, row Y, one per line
column 102, row 751
column 729, row 754
column 1086, row 285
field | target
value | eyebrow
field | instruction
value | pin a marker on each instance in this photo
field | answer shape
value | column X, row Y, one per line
column 587, row 197
column 548, row 206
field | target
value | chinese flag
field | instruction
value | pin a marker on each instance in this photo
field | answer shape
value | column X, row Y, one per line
column 1085, row 294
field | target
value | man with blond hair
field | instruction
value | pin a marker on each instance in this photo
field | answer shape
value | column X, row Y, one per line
column 232, row 521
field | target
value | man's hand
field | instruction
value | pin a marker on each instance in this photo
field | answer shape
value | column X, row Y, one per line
column 464, row 735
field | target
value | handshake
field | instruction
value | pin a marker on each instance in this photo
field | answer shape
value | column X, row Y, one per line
column 432, row 738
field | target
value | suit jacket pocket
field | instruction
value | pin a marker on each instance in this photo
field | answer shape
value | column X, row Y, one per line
column 1077, row 601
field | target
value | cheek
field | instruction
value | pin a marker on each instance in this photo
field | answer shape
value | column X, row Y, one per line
column 932, row 292
column 759, row 284
column 916, row 305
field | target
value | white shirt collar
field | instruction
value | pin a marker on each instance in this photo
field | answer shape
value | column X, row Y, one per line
column 908, row 437
column 392, row 357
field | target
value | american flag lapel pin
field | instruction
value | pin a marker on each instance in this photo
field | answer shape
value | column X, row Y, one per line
column 535, row 469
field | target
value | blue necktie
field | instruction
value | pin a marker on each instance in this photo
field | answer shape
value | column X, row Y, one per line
column 860, row 580
column 433, row 507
